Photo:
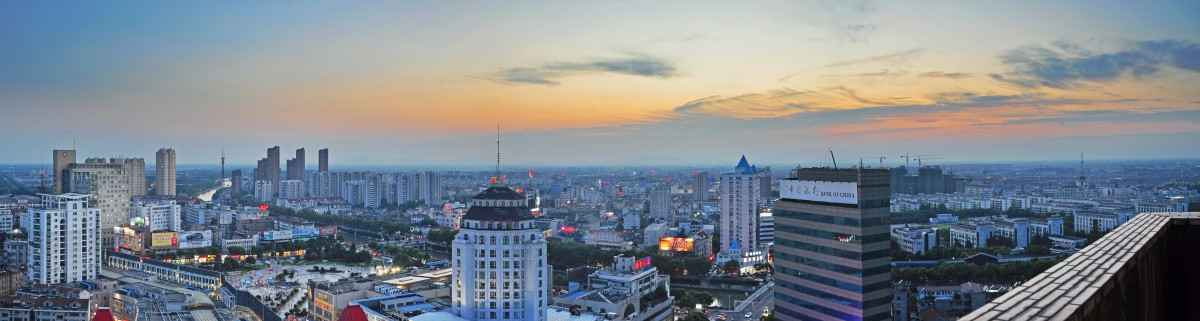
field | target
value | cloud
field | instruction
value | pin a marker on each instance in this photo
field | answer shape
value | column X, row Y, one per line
column 891, row 59
column 550, row 74
column 1065, row 65
column 952, row 75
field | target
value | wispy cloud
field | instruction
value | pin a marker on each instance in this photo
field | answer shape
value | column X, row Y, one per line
column 951, row 75
column 891, row 59
column 1065, row 65
column 551, row 74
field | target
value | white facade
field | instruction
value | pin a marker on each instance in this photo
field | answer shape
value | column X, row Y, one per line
column 499, row 260
column 264, row 190
column 64, row 240
column 1100, row 222
column 915, row 240
column 164, row 171
column 971, row 234
column 740, row 192
column 292, row 188
column 6, row 220
column 354, row 191
column 162, row 216
column 766, row 228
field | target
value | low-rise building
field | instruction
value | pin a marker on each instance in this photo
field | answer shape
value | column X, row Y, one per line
column 39, row 302
column 1089, row 222
column 971, row 234
column 618, row 292
column 944, row 219
column 915, row 240
column 15, row 252
column 168, row 272
column 399, row 307
column 608, row 240
column 653, row 232
column 327, row 299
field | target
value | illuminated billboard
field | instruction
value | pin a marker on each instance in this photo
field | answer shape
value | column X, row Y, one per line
column 328, row 231
column 679, row 244
column 164, row 239
column 303, row 233
column 819, row 191
column 195, row 239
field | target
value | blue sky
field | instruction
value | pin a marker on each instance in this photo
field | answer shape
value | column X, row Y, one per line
column 574, row 83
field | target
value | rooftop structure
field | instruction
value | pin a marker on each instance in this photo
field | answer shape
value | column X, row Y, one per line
column 1140, row 271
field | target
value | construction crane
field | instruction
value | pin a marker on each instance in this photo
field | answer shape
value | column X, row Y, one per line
column 834, row 159
column 881, row 158
column 924, row 157
column 905, row 157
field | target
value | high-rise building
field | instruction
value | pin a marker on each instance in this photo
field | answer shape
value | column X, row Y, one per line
column 62, row 159
column 164, row 215
column 323, row 160
column 740, row 192
column 295, row 166
column 235, row 183
column 164, row 171
column 832, row 249
column 430, row 187
column 499, row 260
column 700, row 186
column 764, row 182
column 660, row 204
column 291, row 188
column 264, row 190
column 64, row 239
column 111, row 184
column 268, row 170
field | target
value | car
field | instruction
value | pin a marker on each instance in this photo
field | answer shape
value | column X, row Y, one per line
column 748, row 315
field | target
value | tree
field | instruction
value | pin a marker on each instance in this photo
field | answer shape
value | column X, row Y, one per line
column 427, row 222
column 732, row 266
column 251, row 260
column 441, row 236
column 629, row 309
column 695, row 316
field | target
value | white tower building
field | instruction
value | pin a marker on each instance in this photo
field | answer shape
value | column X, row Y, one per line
column 499, row 260
column 164, row 215
column 64, row 239
column 740, row 192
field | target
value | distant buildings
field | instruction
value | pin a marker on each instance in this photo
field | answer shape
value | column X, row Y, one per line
column 1089, row 222
column 47, row 302
column 64, row 239
column 268, row 171
column 235, row 188
column 929, row 180
column 295, row 167
column 1019, row 230
column 660, row 204
column 291, row 188
column 323, row 160
column 499, row 260
column 264, row 190
column 700, row 187
column 831, row 245
column 164, row 171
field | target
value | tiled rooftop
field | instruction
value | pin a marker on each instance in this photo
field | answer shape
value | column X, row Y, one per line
column 1074, row 288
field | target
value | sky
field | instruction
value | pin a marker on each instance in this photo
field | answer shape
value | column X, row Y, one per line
column 600, row 83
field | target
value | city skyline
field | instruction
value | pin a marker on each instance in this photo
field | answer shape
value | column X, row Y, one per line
column 607, row 83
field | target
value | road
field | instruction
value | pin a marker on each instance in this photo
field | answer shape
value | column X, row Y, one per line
column 758, row 300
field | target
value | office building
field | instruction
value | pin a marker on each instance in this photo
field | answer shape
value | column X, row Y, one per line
column 700, row 187
column 64, row 239
column 973, row 234
column 915, row 240
column 163, row 215
column 111, row 184
column 832, row 252
column 499, row 260
column 164, row 171
column 50, row 302
column 1096, row 222
column 766, row 228
column 740, row 192
column 295, row 167
column 268, row 170
column 323, row 160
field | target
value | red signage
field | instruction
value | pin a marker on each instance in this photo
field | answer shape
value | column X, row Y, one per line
column 328, row 231
column 642, row 263
column 262, row 207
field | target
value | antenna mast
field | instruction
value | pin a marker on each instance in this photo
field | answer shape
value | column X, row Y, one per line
column 497, row 151
column 222, row 163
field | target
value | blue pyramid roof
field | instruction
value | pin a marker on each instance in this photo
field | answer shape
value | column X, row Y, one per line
column 736, row 245
column 742, row 163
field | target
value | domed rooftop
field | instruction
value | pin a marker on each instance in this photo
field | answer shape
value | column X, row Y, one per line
column 498, row 203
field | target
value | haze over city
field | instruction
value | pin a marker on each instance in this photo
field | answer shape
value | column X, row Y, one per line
column 604, row 83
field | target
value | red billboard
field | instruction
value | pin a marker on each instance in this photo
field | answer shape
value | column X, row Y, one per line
column 679, row 244
column 328, row 231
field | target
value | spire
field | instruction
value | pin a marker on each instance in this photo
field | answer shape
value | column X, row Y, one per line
column 743, row 163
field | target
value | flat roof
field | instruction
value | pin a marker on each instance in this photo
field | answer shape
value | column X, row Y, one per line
column 436, row 274
column 406, row 280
